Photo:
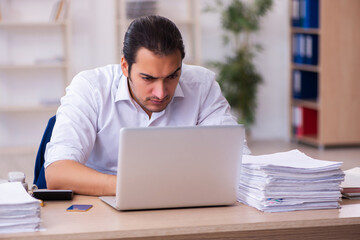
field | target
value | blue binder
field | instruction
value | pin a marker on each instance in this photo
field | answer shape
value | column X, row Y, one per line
column 310, row 13
column 305, row 85
column 299, row 48
column 296, row 13
column 312, row 49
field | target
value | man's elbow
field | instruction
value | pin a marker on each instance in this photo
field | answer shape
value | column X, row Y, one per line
column 53, row 177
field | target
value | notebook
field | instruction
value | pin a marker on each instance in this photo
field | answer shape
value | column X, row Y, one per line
column 173, row 167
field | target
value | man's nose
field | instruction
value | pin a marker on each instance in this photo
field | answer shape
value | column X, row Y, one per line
column 159, row 90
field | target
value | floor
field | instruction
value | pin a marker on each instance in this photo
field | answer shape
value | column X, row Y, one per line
column 14, row 160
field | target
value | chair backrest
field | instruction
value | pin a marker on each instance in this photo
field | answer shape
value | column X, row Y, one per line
column 39, row 171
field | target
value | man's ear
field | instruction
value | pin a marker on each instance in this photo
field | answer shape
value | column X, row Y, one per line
column 124, row 66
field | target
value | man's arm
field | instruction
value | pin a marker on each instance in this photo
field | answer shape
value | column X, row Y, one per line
column 69, row 174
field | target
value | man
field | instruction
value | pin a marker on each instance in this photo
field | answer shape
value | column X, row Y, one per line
column 151, row 87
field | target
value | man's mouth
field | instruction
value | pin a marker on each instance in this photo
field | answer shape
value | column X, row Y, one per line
column 158, row 101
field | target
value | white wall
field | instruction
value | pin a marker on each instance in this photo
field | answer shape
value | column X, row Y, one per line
column 273, row 105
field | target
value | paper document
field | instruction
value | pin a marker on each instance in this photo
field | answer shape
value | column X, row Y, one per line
column 289, row 181
column 19, row 212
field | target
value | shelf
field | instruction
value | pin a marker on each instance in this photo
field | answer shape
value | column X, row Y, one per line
column 35, row 68
column 8, row 24
column 337, row 72
column 31, row 66
column 305, row 30
column 305, row 67
column 312, row 104
column 309, row 139
column 28, row 109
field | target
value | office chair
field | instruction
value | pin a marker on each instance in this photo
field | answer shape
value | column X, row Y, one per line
column 39, row 171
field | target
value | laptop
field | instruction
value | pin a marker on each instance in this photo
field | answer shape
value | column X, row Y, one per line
column 176, row 167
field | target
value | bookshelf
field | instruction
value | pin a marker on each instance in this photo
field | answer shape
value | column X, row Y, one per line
column 35, row 57
column 185, row 14
column 332, row 116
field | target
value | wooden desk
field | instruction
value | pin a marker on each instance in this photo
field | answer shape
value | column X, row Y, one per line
column 232, row 222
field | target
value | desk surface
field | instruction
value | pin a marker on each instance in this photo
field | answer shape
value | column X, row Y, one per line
column 230, row 222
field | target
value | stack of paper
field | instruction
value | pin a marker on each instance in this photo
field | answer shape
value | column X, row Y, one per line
column 289, row 181
column 19, row 212
column 351, row 185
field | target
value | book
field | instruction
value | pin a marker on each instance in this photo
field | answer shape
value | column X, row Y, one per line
column 54, row 11
column 59, row 11
column 351, row 184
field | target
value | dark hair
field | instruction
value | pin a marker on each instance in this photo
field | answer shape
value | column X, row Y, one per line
column 155, row 33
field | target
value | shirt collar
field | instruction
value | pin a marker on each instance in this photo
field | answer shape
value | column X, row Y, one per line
column 123, row 93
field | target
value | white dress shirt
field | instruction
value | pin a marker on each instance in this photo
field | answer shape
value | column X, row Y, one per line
column 98, row 104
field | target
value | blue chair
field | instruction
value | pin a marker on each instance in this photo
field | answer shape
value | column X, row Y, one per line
column 39, row 171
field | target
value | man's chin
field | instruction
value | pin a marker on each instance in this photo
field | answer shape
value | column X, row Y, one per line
column 156, row 108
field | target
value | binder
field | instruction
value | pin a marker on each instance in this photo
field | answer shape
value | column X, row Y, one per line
column 296, row 120
column 302, row 12
column 305, row 48
column 299, row 48
column 296, row 13
column 294, row 48
column 311, row 14
column 305, row 13
column 312, row 49
column 305, row 85
column 308, row 122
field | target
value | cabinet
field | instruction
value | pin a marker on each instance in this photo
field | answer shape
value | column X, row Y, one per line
column 185, row 14
column 325, row 99
column 34, row 67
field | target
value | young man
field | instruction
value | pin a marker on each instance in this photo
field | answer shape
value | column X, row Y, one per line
column 151, row 87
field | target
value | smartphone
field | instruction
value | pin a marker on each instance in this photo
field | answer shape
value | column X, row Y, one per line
column 45, row 194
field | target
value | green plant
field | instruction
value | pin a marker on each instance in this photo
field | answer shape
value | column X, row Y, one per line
column 238, row 76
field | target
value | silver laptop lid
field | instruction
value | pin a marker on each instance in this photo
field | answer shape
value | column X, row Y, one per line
column 166, row 167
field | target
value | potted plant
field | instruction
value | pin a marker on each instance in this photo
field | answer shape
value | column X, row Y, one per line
column 238, row 76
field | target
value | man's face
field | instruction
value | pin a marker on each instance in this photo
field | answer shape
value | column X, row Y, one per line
column 153, row 79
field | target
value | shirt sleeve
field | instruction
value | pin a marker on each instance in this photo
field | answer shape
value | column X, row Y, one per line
column 75, row 129
column 215, row 110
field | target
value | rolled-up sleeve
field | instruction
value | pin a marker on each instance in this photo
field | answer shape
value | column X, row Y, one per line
column 75, row 129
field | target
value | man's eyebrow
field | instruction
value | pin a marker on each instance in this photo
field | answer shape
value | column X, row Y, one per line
column 152, row 77
column 178, row 69
column 147, row 75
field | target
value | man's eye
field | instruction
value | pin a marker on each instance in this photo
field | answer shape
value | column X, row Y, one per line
column 147, row 78
column 173, row 76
